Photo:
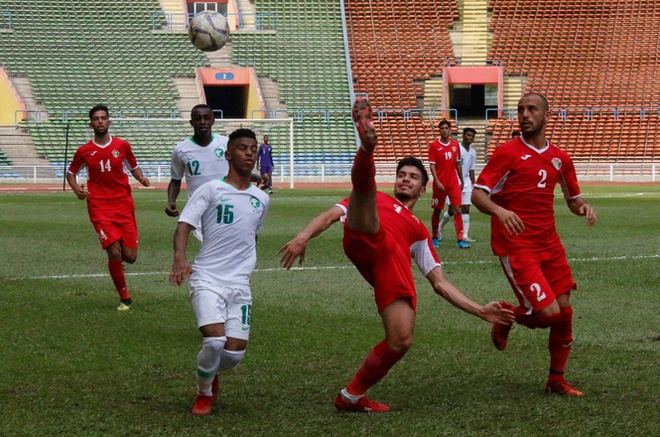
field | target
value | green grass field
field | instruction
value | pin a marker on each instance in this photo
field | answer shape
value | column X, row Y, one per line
column 71, row 365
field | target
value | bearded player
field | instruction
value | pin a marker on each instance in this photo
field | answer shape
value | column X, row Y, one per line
column 108, row 193
column 516, row 188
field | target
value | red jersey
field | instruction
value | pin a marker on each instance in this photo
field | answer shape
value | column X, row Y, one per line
column 107, row 183
column 405, row 229
column 444, row 156
column 522, row 179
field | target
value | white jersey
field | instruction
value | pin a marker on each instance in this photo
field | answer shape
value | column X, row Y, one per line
column 231, row 220
column 199, row 164
column 468, row 162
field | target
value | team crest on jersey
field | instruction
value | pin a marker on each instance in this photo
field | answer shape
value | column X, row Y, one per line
column 556, row 163
column 115, row 153
column 256, row 204
column 219, row 153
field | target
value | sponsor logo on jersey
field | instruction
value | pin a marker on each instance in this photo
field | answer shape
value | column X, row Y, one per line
column 525, row 157
column 115, row 153
column 556, row 163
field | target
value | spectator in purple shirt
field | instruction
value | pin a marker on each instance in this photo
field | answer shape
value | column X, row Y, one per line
column 265, row 165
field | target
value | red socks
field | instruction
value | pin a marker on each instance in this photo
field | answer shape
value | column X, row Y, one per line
column 117, row 275
column 559, row 343
column 435, row 224
column 363, row 173
column 560, row 339
column 458, row 224
column 378, row 362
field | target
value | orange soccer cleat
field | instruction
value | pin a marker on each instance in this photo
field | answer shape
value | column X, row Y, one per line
column 202, row 405
column 562, row 388
column 364, row 405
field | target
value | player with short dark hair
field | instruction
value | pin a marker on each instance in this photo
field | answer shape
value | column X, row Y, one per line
column 108, row 193
column 231, row 212
column 516, row 188
column 200, row 158
column 444, row 158
column 381, row 237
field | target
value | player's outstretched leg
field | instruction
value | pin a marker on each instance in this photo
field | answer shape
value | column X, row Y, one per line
column 363, row 172
column 363, row 119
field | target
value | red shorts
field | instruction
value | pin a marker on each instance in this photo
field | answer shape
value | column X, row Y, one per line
column 384, row 264
column 440, row 196
column 111, row 226
column 537, row 278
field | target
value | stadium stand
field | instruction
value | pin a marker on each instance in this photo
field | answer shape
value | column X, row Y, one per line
column 394, row 46
column 306, row 59
column 596, row 61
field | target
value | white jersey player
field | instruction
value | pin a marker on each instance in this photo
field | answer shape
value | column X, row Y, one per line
column 200, row 158
column 231, row 212
column 468, row 162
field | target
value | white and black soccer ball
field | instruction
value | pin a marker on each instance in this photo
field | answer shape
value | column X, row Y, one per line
column 208, row 31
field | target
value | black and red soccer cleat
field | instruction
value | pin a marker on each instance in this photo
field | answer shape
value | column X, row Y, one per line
column 363, row 119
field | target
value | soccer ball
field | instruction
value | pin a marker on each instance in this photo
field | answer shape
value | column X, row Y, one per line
column 208, row 31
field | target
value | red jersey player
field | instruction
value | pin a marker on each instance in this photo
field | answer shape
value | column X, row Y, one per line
column 108, row 193
column 516, row 188
column 381, row 235
column 445, row 163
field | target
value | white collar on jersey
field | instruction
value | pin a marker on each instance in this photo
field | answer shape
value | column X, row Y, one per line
column 103, row 146
column 547, row 144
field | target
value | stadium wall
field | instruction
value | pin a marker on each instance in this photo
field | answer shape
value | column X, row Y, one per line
column 11, row 102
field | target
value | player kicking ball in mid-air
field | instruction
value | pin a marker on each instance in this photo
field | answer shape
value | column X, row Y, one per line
column 231, row 212
column 381, row 234
column 108, row 193
column 516, row 188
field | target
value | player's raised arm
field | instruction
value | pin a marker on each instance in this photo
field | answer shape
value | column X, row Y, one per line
column 297, row 247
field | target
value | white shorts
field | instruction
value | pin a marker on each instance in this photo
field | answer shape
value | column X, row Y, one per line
column 215, row 304
column 466, row 197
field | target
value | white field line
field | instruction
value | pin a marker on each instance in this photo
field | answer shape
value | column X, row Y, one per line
column 100, row 275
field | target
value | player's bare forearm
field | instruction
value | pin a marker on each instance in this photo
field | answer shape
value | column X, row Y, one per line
column 297, row 247
column 509, row 219
column 79, row 190
column 173, row 190
column 181, row 268
column 578, row 206
column 141, row 178
column 492, row 312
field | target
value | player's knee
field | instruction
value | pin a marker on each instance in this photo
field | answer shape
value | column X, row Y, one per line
column 230, row 359
column 214, row 345
column 400, row 345
column 129, row 256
